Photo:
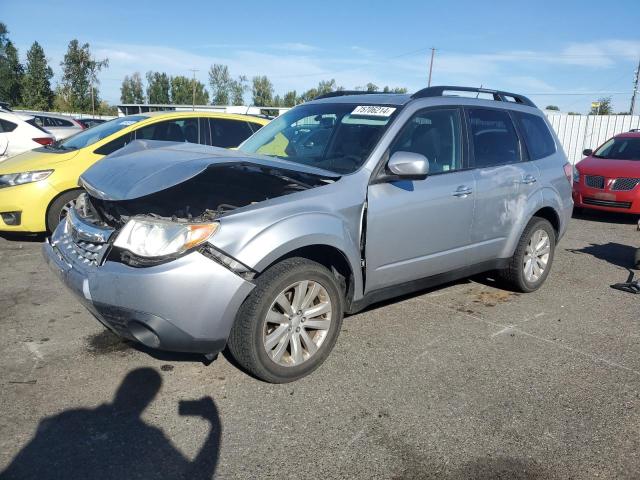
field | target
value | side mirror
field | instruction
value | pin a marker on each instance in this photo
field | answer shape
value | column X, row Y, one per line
column 587, row 152
column 409, row 166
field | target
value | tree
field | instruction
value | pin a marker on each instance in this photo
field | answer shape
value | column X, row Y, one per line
column 182, row 89
column 262, row 91
column 602, row 107
column 552, row 107
column 238, row 88
column 387, row 89
column 36, row 92
column 131, row 90
column 80, row 77
column 372, row 87
column 158, row 86
column 290, row 98
column 11, row 73
column 221, row 84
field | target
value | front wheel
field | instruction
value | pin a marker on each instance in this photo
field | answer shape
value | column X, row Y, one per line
column 290, row 322
column 531, row 262
column 60, row 207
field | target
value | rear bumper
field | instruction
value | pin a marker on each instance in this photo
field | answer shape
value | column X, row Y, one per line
column 187, row 305
column 606, row 200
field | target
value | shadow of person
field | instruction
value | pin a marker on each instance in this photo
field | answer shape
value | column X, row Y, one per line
column 111, row 441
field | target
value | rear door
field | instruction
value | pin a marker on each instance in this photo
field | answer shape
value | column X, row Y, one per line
column 502, row 178
column 420, row 228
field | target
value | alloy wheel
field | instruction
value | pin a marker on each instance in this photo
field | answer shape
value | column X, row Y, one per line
column 536, row 256
column 297, row 323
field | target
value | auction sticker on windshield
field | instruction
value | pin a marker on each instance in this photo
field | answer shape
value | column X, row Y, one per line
column 373, row 110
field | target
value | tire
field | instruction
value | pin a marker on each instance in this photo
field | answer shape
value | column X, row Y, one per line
column 636, row 259
column 252, row 335
column 516, row 275
column 56, row 210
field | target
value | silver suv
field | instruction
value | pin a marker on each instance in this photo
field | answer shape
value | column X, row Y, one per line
column 341, row 202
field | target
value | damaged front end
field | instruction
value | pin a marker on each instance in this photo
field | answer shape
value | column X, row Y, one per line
column 164, row 225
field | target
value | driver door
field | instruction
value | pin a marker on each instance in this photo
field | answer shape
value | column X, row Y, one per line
column 420, row 228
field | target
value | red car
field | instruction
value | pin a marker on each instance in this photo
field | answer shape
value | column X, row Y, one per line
column 608, row 178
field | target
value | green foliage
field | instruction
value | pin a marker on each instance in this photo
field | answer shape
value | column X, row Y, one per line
column 36, row 92
column 158, row 86
column 11, row 72
column 238, row 89
column 388, row 89
column 80, row 77
column 224, row 89
column 552, row 107
column 290, row 99
column 371, row 87
column 604, row 107
column 262, row 91
column 182, row 91
column 131, row 90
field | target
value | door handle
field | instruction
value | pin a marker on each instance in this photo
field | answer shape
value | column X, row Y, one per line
column 528, row 180
column 462, row 191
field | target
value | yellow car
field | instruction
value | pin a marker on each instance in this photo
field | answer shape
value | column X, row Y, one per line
column 37, row 188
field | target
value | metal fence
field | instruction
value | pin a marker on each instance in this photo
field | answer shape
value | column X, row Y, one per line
column 577, row 132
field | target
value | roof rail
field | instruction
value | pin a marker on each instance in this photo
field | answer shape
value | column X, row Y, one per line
column 498, row 95
column 342, row 93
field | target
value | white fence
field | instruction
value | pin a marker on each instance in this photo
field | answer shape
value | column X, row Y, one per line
column 577, row 132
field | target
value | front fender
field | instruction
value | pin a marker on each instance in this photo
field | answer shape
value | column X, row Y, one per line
column 303, row 230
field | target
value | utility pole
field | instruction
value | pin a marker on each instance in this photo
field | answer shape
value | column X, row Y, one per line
column 193, row 103
column 635, row 90
column 433, row 53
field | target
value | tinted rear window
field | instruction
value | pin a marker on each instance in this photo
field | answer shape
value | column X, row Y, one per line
column 494, row 138
column 536, row 134
column 6, row 126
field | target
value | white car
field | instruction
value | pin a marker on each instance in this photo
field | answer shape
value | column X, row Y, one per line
column 60, row 126
column 19, row 133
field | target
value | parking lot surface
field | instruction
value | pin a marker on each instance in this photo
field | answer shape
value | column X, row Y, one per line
column 462, row 381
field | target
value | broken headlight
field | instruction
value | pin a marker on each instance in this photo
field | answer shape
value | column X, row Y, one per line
column 150, row 238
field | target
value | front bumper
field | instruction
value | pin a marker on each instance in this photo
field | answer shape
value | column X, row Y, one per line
column 186, row 305
column 32, row 201
column 624, row 201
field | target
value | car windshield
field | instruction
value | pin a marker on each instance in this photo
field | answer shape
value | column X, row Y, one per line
column 620, row 148
column 97, row 133
column 337, row 137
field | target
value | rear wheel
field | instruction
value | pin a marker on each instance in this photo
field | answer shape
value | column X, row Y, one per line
column 60, row 207
column 531, row 262
column 289, row 324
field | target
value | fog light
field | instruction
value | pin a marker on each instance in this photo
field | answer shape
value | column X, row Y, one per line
column 11, row 218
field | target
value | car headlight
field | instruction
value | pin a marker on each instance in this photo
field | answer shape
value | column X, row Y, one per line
column 151, row 238
column 11, row 179
column 576, row 175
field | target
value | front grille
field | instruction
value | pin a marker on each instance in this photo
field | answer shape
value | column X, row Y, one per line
column 82, row 251
column 594, row 181
column 605, row 203
column 625, row 183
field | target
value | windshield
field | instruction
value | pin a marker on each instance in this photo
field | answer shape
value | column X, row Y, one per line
column 97, row 133
column 337, row 137
column 620, row 148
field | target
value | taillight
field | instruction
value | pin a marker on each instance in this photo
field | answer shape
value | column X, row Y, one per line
column 43, row 140
column 568, row 172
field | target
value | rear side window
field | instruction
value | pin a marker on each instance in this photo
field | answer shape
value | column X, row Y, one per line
column 114, row 145
column 493, row 137
column 34, row 123
column 6, row 126
column 536, row 134
column 228, row 133
column 182, row 130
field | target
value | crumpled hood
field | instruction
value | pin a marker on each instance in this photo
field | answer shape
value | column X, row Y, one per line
column 147, row 166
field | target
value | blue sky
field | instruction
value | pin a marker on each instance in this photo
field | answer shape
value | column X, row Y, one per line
column 547, row 49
